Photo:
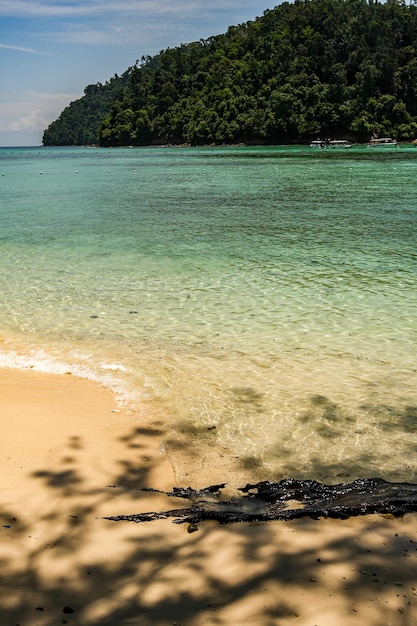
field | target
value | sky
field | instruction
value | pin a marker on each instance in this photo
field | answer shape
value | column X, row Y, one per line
column 50, row 50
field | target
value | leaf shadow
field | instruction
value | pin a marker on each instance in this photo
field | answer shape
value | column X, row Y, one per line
column 67, row 565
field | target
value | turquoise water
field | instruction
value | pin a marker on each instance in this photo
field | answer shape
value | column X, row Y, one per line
column 270, row 292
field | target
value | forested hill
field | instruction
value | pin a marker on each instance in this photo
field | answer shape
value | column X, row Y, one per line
column 79, row 123
column 329, row 68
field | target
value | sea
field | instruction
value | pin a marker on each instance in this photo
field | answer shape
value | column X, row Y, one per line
column 260, row 301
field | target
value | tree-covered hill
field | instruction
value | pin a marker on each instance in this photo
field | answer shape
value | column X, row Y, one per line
column 329, row 68
column 80, row 122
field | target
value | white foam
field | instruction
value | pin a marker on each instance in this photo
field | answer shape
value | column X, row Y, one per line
column 114, row 367
column 40, row 361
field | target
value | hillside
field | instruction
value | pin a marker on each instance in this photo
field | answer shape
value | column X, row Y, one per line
column 329, row 68
column 79, row 123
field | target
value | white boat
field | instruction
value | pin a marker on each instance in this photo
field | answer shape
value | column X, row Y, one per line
column 334, row 143
column 382, row 142
column 339, row 144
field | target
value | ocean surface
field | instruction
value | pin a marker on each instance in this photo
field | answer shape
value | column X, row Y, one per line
column 261, row 301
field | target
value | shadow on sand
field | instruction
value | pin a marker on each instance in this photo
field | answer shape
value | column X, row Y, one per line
column 61, row 563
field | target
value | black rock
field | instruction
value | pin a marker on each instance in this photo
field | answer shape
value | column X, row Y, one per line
column 267, row 501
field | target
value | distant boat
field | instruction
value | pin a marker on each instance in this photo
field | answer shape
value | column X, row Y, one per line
column 339, row 143
column 382, row 142
column 334, row 143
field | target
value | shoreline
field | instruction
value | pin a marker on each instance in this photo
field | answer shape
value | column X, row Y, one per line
column 364, row 144
column 70, row 457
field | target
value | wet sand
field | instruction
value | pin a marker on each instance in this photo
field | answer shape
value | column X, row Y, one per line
column 70, row 456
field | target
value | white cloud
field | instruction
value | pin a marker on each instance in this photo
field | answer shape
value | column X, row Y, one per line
column 33, row 121
column 114, row 22
column 129, row 33
column 35, row 112
column 31, row 8
column 86, row 36
column 27, row 8
column 53, row 97
column 22, row 122
column 140, row 22
column 20, row 49
column 127, row 22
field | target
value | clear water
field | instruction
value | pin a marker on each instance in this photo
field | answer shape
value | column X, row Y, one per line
column 270, row 292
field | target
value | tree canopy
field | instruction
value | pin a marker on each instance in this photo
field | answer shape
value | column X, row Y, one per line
column 329, row 68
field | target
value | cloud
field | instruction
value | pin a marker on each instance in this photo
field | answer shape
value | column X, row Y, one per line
column 77, row 34
column 139, row 22
column 33, row 8
column 27, row 8
column 35, row 112
column 20, row 49
column 33, row 121
column 129, row 33
column 115, row 22
column 52, row 97
column 124, row 23
column 23, row 121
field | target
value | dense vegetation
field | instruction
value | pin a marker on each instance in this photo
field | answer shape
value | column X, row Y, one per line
column 329, row 68
column 79, row 123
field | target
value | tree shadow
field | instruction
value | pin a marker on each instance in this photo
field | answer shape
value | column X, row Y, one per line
column 372, row 434
column 62, row 563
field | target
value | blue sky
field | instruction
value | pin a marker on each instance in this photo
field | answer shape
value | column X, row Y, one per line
column 50, row 50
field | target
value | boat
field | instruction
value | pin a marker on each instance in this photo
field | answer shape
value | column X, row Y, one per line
column 334, row 143
column 382, row 142
column 339, row 143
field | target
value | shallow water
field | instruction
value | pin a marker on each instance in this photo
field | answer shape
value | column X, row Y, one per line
column 269, row 292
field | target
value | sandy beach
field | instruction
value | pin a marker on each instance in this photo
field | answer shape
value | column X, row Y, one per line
column 70, row 456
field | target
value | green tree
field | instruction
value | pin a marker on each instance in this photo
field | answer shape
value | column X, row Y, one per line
column 341, row 68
